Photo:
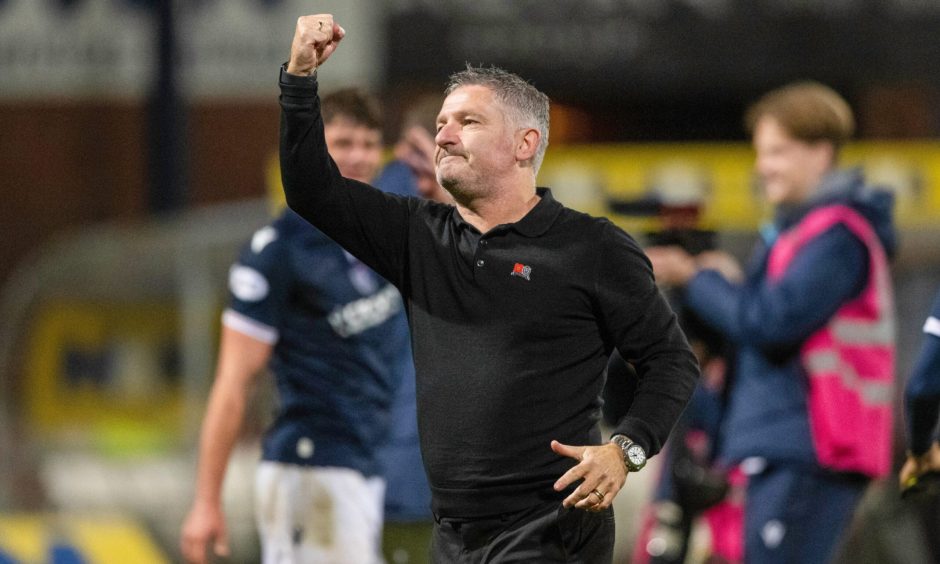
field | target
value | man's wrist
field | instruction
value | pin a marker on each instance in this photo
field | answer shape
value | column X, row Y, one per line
column 293, row 69
column 295, row 87
column 208, row 500
column 634, row 456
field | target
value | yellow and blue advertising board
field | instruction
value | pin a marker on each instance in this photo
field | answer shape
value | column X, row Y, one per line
column 105, row 374
column 64, row 539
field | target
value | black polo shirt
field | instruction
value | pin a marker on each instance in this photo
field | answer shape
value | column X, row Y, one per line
column 511, row 329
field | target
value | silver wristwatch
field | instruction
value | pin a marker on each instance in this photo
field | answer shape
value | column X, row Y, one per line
column 634, row 457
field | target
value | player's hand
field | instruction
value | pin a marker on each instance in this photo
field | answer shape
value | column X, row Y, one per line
column 416, row 149
column 601, row 471
column 672, row 266
column 203, row 529
column 315, row 39
column 723, row 262
column 916, row 466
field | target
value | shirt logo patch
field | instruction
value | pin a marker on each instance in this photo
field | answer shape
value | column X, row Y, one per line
column 262, row 238
column 521, row 270
column 247, row 284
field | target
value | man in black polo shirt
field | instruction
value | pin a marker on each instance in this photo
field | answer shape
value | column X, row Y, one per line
column 515, row 302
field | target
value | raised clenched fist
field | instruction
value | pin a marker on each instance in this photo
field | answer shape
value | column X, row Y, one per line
column 315, row 39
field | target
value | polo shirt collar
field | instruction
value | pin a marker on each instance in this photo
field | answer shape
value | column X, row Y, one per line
column 539, row 218
column 533, row 224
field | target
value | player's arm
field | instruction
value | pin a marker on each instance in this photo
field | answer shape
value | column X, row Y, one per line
column 312, row 181
column 315, row 39
column 241, row 359
column 922, row 391
column 778, row 315
column 922, row 405
column 645, row 330
column 640, row 322
column 367, row 222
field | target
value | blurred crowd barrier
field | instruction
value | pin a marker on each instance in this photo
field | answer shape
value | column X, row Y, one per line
column 719, row 178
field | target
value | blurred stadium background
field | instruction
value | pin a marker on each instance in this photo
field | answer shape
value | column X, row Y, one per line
column 136, row 141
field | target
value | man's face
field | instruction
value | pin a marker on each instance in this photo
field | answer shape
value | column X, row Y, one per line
column 474, row 140
column 790, row 169
column 356, row 148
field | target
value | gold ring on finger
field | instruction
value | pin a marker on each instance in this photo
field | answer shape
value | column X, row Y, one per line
column 599, row 495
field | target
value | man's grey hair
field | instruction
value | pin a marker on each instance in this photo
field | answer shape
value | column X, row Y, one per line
column 527, row 106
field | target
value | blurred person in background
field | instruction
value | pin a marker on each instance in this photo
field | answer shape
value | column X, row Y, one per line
column 333, row 334
column 812, row 321
column 922, row 409
column 515, row 303
column 411, row 173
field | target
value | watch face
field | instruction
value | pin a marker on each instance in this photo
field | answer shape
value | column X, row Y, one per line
column 636, row 455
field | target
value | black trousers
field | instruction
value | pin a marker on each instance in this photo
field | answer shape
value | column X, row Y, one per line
column 546, row 533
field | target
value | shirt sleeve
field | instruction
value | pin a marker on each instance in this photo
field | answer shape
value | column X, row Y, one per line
column 397, row 178
column 367, row 222
column 259, row 285
column 779, row 315
column 922, row 393
column 646, row 332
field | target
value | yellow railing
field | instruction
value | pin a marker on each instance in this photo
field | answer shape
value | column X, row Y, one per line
column 721, row 175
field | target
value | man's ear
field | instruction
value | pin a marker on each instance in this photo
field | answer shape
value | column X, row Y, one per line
column 527, row 144
column 826, row 154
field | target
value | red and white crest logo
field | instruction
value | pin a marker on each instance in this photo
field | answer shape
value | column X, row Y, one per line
column 521, row 270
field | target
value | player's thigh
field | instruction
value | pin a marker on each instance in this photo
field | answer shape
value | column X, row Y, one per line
column 314, row 514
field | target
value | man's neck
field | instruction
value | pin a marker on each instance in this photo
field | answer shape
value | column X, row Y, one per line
column 486, row 212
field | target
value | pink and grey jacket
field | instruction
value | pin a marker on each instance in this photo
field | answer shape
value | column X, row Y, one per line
column 849, row 362
column 813, row 327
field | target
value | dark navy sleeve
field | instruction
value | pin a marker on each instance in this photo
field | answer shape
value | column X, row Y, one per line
column 826, row 273
column 397, row 178
column 645, row 331
column 259, row 283
column 367, row 222
column 922, row 394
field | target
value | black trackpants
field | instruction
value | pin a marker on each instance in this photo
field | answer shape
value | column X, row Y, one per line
column 546, row 533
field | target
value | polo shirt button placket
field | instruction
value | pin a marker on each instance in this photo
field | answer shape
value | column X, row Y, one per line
column 481, row 245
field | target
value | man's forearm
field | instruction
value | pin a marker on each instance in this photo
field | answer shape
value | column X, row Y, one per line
column 667, row 380
column 306, row 168
column 219, row 434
